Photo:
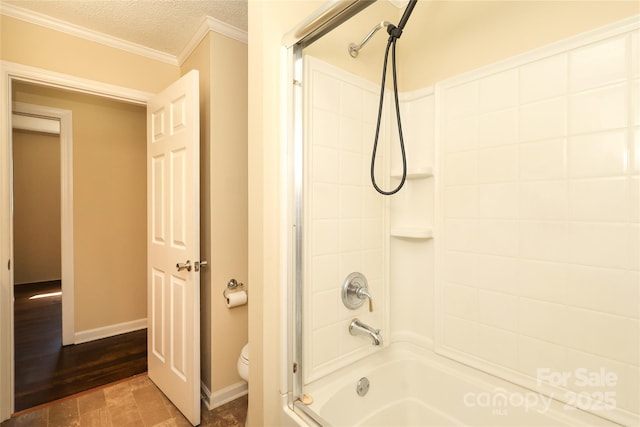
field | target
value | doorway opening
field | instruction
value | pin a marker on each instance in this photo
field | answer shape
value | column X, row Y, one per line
column 37, row 248
column 42, row 160
column 183, row 119
column 105, row 283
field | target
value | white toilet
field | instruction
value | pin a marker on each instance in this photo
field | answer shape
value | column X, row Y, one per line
column 243, row 363
column 243, row 368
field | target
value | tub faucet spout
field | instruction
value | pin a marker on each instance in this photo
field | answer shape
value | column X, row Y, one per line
column 358, row 328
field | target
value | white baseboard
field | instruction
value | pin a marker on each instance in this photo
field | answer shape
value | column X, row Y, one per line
column 31, row 282
column 205, row 395
column 222, row 396
column 109, row 331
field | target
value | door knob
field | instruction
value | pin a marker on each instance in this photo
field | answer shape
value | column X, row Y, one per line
column 184, row 266
column 200, row 264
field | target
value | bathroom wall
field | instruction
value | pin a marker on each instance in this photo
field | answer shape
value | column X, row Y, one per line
column 223, row 208
column 344, row 224
column 411, row 221
column 268, row 21
column 538, row 218
column 36, row 207
column 229, row 201
column 349, row 227
column 453, row 37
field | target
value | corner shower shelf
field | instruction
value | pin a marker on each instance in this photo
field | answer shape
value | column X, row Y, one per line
column 412, row 233
column 417, row 173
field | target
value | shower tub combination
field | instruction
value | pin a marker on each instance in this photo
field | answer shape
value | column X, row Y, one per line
column 507, row 169
column 411, row 386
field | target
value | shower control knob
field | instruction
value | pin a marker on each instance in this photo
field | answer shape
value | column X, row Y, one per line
column 355, row 290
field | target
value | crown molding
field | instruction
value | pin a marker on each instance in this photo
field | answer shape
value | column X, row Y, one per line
column 225, row 29
column 36, row 18
column 217, row 26
column 208, row 24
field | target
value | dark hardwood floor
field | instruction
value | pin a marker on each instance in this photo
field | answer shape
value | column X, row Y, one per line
column 47, row 371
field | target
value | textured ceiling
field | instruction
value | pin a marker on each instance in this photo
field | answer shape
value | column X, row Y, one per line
column 163, row 25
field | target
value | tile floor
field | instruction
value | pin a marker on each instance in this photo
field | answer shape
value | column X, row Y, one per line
column 135, row 402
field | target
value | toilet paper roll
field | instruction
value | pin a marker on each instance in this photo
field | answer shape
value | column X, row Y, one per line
column 235, row 299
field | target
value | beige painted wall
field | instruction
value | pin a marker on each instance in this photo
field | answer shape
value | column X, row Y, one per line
column 268, row 21
column 222, row 63
column 109, row 206
column 36, row 207
column 455, row 50
column 457, row 36
column 229, row 252
column 41, row 47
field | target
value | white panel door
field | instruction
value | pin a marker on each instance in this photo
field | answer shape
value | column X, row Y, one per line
column 173, row 234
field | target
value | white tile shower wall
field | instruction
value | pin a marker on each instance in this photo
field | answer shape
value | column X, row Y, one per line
column 344, row 217
column 411, row 257
column 539, row 203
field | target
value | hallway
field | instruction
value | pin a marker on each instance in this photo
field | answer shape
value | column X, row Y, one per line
column 45, row 370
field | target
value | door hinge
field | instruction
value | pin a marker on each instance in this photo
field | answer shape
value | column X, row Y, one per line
column 295, row 368
column 9, row 265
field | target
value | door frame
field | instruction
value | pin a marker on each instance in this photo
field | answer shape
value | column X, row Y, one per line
column 10, row 72
column 65, row 135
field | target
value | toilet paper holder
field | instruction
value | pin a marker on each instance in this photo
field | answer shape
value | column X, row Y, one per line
column 233, row 286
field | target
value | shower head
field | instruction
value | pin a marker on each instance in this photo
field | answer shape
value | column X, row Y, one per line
column 394, row 32
column 355, row 48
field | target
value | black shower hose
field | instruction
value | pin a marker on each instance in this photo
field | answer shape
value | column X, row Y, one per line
column 390, row 43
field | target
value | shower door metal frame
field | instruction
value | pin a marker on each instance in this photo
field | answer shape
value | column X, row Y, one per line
column 325, row 19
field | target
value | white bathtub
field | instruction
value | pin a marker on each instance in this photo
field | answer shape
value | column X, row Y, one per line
column 410, row 386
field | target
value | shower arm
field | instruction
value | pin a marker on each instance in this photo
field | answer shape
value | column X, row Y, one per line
column 354, row 48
